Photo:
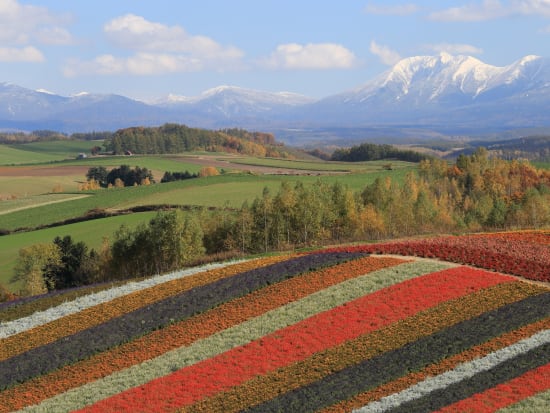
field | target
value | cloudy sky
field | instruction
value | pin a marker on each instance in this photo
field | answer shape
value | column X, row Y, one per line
column 148, row 49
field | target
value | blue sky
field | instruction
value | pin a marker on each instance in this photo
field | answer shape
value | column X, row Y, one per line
column 148, row 49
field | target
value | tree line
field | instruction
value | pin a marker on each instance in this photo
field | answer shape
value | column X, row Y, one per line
column 374, row 152
column 475, row 193
column 45, row 135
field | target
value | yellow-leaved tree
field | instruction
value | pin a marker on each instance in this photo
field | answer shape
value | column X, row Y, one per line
column 32, row 265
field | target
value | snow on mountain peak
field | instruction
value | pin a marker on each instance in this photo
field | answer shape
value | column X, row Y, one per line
column 45, row 91
column 430, row 78
column 528, row 59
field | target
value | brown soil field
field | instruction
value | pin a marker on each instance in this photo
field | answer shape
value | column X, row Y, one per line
column 225, row 163
column 43, row 170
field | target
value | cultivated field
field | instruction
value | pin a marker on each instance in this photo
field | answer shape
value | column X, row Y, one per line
column 329, row 330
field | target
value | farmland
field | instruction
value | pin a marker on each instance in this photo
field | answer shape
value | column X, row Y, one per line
column 328, row 330
column 39, row 186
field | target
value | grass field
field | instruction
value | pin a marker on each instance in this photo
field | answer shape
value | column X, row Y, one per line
column 18, row 204
column 40, row 152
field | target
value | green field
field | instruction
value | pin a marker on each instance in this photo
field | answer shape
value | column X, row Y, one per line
column 40, row 152
column 18, row 204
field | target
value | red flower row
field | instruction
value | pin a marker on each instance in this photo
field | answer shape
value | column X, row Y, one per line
column 525, row 255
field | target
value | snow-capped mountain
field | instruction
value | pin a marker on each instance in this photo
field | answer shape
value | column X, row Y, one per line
column 229, row 103
column 436, row 89
column 423, row 91
column 456, row 79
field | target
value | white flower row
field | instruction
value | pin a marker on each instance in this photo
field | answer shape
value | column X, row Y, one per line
column 461, row 372
column 39, row 318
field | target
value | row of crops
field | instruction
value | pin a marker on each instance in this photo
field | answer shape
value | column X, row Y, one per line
column 330, row 330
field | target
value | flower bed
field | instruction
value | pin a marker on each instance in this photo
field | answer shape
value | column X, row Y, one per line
column 330, row 330
column 525, row 254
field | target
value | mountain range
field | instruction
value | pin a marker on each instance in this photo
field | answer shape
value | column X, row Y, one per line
column 442, row 93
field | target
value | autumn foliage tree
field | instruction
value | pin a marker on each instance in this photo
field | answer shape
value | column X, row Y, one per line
column 208, row 171
column 33, row 268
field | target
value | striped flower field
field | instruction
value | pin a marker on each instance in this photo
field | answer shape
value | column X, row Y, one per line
column 448, row 324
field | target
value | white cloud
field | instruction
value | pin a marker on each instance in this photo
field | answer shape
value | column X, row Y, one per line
column 489, row 9
column 454, row 49
column 387, row 56
column 527, row 7
column 156, row 49
column 22, row 24
column 140, row 64
column 136, row 33
column 310, row 56
column 493, row 9
column 25, row 54
column 398, row 10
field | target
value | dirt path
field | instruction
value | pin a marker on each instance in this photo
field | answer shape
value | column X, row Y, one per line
column 42, row 204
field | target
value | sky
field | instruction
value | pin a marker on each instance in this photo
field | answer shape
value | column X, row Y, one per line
column 147, row 49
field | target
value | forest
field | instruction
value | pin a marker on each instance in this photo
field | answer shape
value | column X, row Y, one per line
column 174, row 138
column 475, row 193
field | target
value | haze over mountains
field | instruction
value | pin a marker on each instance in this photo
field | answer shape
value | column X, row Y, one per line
column 439, row 93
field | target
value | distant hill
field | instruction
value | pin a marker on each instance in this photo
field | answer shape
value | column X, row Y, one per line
column 533, row 148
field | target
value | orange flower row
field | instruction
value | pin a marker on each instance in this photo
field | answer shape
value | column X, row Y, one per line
column 321, row 364
column 98, row 314
column 187, row 331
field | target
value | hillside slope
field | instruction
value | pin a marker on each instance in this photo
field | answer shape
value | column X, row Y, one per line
column 329, row 330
